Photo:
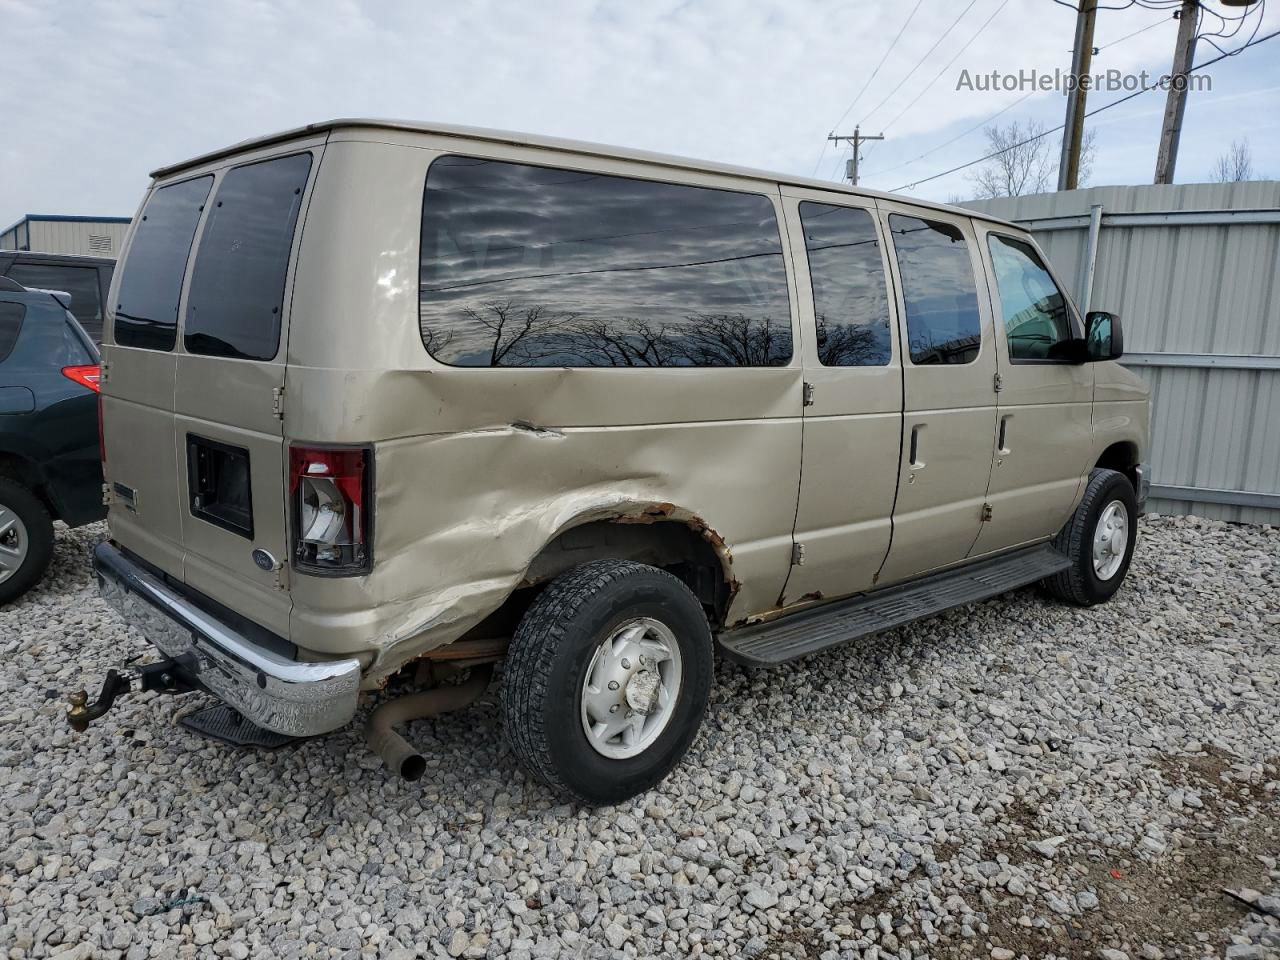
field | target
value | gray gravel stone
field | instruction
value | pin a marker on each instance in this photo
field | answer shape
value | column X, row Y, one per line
column 907, row 775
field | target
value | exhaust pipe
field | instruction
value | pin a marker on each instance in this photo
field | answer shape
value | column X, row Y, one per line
column 396, row 752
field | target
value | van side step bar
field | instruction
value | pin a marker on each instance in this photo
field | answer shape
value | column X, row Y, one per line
column 800, row 634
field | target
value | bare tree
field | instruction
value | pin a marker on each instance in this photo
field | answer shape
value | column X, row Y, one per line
column 1021, row 164
column 1235, row 165
column 1025, row 161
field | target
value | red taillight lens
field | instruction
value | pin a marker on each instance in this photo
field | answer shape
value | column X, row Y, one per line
column 330, row 499
column 86, row 376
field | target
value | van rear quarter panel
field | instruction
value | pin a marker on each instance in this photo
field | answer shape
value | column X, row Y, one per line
column 477, row 469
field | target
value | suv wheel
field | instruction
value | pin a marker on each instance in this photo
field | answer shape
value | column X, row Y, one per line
column 1099, row 540
column 26, row 540
column 606, row 680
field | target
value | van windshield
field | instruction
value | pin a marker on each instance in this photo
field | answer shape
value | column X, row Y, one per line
column 237, row 285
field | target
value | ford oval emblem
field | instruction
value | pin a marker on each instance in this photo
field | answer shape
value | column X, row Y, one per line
column 264, row 560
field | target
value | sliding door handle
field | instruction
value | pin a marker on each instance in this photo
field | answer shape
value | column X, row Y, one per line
column 1002, row 444
column 915, row 462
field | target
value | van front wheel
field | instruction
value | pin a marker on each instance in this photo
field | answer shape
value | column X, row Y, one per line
column 606, row 680
column 1098, row 540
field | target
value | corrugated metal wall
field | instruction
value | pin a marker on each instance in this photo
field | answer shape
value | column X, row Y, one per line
column 1199, row 292
column 89, row 237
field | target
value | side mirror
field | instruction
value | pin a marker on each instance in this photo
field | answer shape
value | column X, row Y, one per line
column 1103, row 336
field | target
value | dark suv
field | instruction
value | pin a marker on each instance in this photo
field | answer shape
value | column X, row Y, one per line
column 50, row 459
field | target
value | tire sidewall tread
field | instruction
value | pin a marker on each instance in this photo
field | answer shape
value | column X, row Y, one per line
column 547, row 660
column 1079, row 584
column 39, row 525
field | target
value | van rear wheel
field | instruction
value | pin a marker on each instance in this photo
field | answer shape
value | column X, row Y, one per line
column 1099, row 540
column 607, row 680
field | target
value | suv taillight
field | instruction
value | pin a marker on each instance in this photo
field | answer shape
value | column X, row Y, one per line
column 331, row 503
column 87, row 375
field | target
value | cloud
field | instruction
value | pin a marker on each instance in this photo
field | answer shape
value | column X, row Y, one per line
column 109, row 91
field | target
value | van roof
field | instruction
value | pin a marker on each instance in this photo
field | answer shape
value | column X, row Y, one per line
column 571, row 146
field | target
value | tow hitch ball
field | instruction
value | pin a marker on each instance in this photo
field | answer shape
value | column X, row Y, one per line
column 167, row 676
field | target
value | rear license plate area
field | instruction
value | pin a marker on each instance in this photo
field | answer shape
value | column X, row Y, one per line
column 218, row 480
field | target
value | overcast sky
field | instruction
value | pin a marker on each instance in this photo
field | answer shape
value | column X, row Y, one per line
column 102, row 91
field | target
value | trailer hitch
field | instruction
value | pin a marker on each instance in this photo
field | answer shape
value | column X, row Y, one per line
column 165, row 676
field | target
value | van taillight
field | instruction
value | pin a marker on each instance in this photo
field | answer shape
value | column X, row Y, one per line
column 331, row 503
column 87, row 375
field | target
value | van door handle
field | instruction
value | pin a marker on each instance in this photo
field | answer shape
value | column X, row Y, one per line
column 1002, row 445
column 915, row 462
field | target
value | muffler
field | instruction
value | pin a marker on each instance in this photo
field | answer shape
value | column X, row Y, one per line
column 396, row 752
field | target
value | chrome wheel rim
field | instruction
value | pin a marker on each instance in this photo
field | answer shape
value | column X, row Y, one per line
column 14, row 543
column 1110, row 540
column 631, row 687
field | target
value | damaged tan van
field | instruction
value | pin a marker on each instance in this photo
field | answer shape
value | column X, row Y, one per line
column 386, row 404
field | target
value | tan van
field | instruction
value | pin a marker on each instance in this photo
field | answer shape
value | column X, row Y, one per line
column 388, row 402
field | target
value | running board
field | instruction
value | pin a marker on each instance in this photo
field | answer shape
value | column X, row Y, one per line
column 829, row 625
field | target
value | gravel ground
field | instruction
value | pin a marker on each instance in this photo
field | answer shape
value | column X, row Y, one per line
column 1015, row 778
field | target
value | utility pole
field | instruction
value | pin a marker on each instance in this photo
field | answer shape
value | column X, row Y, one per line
column 1073, row 128
column 857, row 139
column 1176, row 101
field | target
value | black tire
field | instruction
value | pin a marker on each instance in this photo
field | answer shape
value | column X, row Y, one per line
column 1079, row 583
column 547, row 663
column 39, row 539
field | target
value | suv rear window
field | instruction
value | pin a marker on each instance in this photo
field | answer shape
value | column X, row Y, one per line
column 11, row 315
column 237, row 285
column 147, row 303
column 80, row 282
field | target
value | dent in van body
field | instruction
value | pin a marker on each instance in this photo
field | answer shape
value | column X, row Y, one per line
column 477, row 470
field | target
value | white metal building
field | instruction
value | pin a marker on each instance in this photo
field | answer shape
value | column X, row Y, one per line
column 52, row 233
column 1194, row 272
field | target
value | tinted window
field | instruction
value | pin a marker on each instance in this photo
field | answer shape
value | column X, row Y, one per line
column 237, row 285
column 80, row 282
column 850, row 302
column 1037, row 321
column 11, row 315
column 938, row 289
column 147, row 302
column 535, row 267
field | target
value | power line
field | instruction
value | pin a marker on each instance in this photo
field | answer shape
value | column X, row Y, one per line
column 1096, row 110
column 866, row 85
column 919, row 62
column 939, row 74
column 959, row 136
column 1135, row 33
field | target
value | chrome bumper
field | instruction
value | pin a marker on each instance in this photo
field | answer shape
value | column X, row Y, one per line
column 287, row 696
column 1143, row 471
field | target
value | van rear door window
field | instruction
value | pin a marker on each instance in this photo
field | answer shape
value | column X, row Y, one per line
column 237, row 284
column 147, row 303
column 527, row 266
column 938, row 289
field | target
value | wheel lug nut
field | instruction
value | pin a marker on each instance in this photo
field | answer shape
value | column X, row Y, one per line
column 614, row 708
column 626, row 664
column 613, row 684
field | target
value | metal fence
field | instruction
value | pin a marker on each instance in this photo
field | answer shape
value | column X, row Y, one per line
column 1194, row 271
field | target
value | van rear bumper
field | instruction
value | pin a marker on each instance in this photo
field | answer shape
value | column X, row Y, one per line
column 295, row 698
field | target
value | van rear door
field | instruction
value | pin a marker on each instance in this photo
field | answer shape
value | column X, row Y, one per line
column 224, row 439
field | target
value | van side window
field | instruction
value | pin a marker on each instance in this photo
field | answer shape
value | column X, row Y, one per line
column 147, row 302
column 526, row 266
column 850, row 303
column 938, row 289
column 1037, row 320
column 80, row 282
column 237, row 284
